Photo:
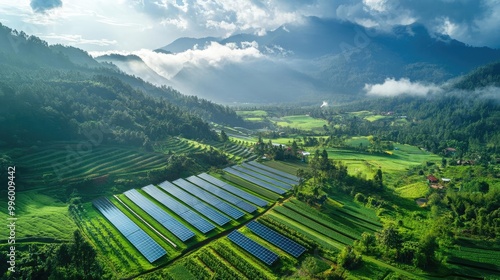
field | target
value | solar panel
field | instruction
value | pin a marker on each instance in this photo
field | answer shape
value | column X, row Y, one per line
column 222, row 194
column 252, row 247
column 262, row 177
column 165, row 219
column 254, row 180
column 195, row 203
column 275, row 171
column 180, row 209
column 138, row 237
column 280, row 241
column 269, row 174
column 210, row 199
column 234, row 190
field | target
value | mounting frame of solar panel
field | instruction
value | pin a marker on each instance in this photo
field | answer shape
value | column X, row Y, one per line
column 254, row 180
column 274, row 170
column 262, row 177
column 234, row 190
column 146, row 245
column 277, row 239
column 252, row 247
column 195, row 203
column 238, row 202
column 162, row 217
column 180, row 209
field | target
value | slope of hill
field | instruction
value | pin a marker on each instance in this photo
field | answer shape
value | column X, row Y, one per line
column 487, row 75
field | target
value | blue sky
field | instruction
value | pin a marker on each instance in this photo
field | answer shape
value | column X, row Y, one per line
column 136, row 24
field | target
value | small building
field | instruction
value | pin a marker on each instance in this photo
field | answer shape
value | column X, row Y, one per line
column 431, row 179
column 445, row 180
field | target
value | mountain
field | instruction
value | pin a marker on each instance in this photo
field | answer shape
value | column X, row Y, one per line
column 484, row 76
column 55, row 93
column 318, row 59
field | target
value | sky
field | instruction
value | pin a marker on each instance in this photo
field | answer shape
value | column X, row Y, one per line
column 127, row 25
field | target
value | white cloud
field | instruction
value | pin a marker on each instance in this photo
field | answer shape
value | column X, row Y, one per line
column 179, row 23
column 393, row 87
column 213, row 55
column 75, row 39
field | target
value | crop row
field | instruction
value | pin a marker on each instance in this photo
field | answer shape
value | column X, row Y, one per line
column 218, row 267
column 314, row 225
column 197, row 269
column 250, row 271
column 321, row 218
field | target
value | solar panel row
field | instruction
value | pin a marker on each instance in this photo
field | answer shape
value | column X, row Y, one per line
column 210, row 199
column 280, row 241
column 252, row 247
column 262, row 177
column 234, row 190
column 275, row 171
column 151, row 250
column 269, row 174
column 254, row 180
column 195, row 203
column 165, row 219
column 180, row 209
column 222, row 194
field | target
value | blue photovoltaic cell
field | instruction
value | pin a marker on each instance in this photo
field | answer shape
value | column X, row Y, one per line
column 169, row 222
column 180, row 209
column 269, row 174
column 234, row 190
column 252, row 247
column 262, row 177
column 195, row 203
column 138, row 237
column 210, row 199
column 254, row 180
column 280, row 241
column 222, row 194
column 275, row 171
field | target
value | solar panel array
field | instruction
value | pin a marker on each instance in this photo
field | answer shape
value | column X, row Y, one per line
column 262, row 177
column 252, row 247
column 254, row 180
column 210, row 199
column 234, row 190
column 275, row 171
column 169, row 222
column 280, row 241
column 180, row 209
column 138, row 237
column 269, row 174
column 195, row 203
column 222, row 194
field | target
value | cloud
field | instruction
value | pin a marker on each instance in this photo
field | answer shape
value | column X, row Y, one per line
column 74, row 39
column 392, row 87
column 40, row 6
column 212, row 55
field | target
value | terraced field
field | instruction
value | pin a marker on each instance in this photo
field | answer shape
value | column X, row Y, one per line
column 68, row 163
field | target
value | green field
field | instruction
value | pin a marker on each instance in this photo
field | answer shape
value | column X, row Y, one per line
column 413, row 191
column 303, row 122
column 41, row 217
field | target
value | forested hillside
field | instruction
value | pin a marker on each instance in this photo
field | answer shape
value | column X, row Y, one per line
column 58, row 93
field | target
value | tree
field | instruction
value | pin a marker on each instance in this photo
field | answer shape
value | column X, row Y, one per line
column 223, row 136
column 379, row 183
column 348, row 258
column 389, row 238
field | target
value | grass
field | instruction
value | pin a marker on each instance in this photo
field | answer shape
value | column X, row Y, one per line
column 413, row 191
column 41, row 217
column 254, row 113
column 303, row 122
